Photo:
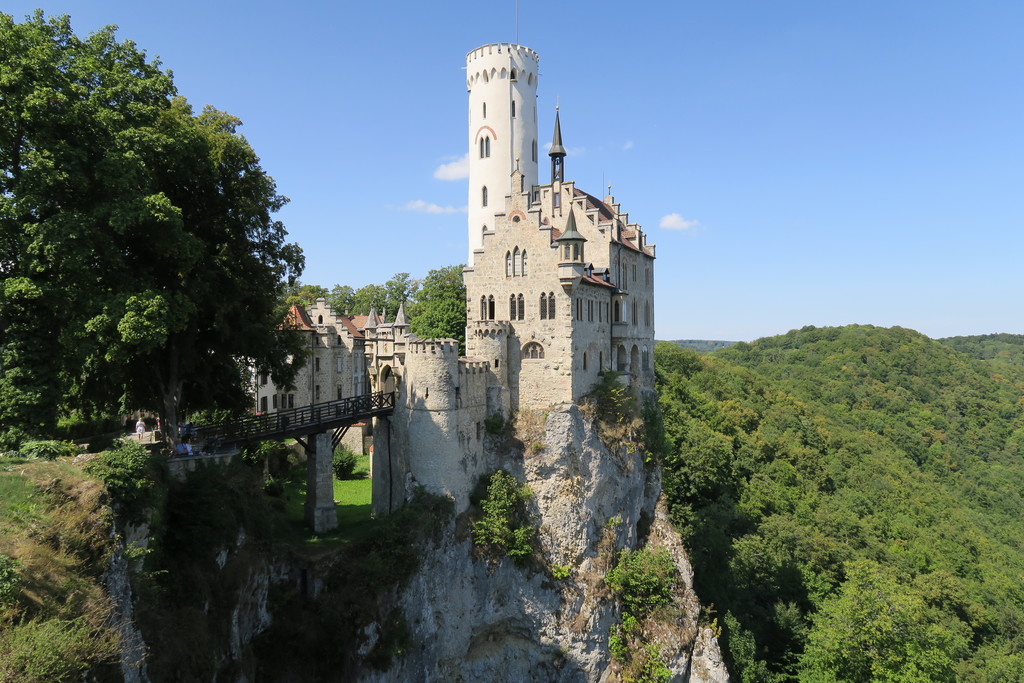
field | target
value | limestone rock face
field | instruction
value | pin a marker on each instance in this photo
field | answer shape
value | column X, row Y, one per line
column 472, row 618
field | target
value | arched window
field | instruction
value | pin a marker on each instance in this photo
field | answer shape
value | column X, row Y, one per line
column 634, row 313
column 522, row 306
column 484, row 230
column 511, row 306
column 508, row 264
column 319, row 320
column 533, row 351
column 551, row 305
column 490, row 307
column 483, row 308
column 543, row 306
column 485, row 147
column 513, row 77
column 524, row 262
column 616, row 312
column 517, row 262
column 483, row 196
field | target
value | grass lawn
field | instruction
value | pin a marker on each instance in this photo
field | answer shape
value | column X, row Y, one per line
column 351, row 503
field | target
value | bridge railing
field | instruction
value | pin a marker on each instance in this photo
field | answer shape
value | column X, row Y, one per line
column 298, row 419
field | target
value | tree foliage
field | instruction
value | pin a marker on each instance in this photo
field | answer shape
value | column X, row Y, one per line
column 439, row 307
column 138, row 255
column 852, row 498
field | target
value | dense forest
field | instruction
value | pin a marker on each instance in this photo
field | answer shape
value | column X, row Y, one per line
column 852, row 499
column 702, row 345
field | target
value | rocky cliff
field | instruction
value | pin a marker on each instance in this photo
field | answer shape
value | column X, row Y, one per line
column 474, row 618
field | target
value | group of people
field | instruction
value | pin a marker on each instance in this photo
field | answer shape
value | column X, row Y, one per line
column 186, row 431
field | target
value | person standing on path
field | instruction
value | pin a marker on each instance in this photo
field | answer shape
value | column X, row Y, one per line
column 140, row 428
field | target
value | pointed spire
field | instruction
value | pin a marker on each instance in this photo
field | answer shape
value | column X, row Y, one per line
column 571, row 233
column 557, row 152
column 400, row 319
column 371, row 320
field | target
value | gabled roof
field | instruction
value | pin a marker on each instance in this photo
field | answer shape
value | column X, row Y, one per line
column 297, row 319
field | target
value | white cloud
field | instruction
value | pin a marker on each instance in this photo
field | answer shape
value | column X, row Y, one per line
column 675, row 221
column 454, row 170
column 628, row 146
column 420, row 206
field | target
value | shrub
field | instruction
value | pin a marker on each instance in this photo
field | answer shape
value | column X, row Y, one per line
column 10, row 579
column 53, row 650
column 561, row 572
column 270, row 454
column 77, row 426
column 130, row 473
column 506, row 524
column 494, row 424
column 344, row 462
column 644, row 579
column 48, row 450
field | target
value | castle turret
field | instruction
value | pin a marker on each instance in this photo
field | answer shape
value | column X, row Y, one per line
column 557, row 152
column 502, row 82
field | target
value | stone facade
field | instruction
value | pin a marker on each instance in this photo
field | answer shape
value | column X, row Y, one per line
column 560, row 288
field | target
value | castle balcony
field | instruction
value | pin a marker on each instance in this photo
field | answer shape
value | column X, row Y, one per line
column 620, row 330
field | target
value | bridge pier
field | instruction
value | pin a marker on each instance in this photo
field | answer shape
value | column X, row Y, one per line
column 320, row 512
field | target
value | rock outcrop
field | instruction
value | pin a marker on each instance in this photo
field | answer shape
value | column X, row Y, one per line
column 472, row 618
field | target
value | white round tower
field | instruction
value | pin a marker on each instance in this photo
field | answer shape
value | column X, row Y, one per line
column 502, row 82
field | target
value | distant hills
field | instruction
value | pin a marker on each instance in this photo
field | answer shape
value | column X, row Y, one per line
column 852, row 500
column 702, row 345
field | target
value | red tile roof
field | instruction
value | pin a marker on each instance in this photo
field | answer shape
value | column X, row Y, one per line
column 296, row 318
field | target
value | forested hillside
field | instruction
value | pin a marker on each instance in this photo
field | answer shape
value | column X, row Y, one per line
column 999, row 348
column 852, row 497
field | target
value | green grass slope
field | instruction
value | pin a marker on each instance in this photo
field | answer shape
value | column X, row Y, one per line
column 852, row 499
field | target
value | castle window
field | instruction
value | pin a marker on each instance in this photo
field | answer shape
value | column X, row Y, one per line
column 579, row 309
column 316, row 392
column 319, row 320
column 316, row 364
column 513, row 108
column 647, row 275
column 263, row 404
column 647, row 313
column 511, row 306
column 483, row 196
column 485, row 147
column 339, row 340
column 556, row 199
column 291, row 400
column 513, row 77
column 340, row 394
column 533, row 150
column 263, row 378
column 483, row 308
column 533, row 351
column 584, row 360
column 508, row 264
column 485, row 110
column 645, row 363
column 590, row 311
column 490, row 307
column 517, row 262
column 616, row 312
column 524, row 262
column 522, row 306
column 634, row 272
column 568, row 252
column 339, row 360
column 551, row 305
column 543, row 306
column 274, row 401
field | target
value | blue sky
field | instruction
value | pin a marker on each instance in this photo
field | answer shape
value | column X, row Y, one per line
column 797, row 162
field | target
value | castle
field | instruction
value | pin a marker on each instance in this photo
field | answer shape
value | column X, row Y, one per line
column 559, row 288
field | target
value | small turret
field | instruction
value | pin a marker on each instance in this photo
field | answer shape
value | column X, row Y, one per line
column 571, row 264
